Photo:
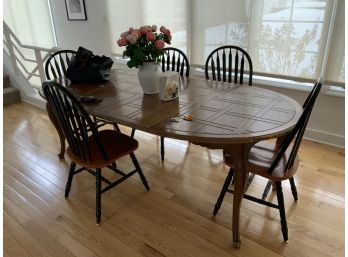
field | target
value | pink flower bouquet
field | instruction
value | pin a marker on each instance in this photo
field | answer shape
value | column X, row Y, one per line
column 144, row 44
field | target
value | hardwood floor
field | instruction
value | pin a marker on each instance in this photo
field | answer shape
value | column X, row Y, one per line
column 174, row 218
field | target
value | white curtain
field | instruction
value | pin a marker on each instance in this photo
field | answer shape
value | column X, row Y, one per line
column 285, row 38
column 30, row 21
column 136, row 13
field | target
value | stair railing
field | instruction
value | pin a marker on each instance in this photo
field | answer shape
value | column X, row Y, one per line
column 19, row 60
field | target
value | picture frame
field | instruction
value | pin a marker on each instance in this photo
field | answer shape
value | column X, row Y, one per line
column 76, row 10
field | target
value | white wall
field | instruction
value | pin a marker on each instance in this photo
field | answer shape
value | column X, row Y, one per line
column 327, row 120
column 92, row 33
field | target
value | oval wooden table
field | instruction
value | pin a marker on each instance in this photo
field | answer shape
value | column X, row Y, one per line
column 225, row 116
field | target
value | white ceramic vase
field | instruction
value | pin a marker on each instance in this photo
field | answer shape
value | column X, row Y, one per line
column 149, row 75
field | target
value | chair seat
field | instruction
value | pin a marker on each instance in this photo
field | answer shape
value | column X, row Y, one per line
column 261, row 157
column 116, row 145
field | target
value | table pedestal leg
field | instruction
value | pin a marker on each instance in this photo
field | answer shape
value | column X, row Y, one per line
column 239, row 154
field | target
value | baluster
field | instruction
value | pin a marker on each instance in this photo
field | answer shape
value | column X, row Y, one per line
column 11, row 49
column 241, row 70
column 213, row 68
column 230, row 67
column 40, row 65
column 223, row 66
column 218, row 66
column 236, row 60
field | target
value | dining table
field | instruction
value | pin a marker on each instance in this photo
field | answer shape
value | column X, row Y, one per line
column 227, row 116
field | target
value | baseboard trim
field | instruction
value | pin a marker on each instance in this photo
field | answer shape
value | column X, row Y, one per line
column 35, row 100
column 325, row 138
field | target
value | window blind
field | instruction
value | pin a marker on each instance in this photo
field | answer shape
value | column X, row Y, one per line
column 136, row 13
column 30, row 21
column 291, row 39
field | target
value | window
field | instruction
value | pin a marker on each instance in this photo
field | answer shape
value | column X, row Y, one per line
column 291, row 39
column 135, row 13
column 30, row 21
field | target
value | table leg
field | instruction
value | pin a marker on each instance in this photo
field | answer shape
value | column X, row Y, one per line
column 239, row 154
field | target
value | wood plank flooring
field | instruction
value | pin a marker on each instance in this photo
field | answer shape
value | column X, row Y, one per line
column 174, row 218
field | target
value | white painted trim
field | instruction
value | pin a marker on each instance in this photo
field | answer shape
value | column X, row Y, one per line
column 325, row 137
column 35, row 100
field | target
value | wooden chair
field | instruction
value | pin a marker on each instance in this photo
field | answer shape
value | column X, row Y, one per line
column 229, row 61
column 173, row 59
column 88, row 147
column 56, row 66
column 226, row 63
column 276, row 162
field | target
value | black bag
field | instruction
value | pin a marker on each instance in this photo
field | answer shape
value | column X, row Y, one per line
column 87, row 67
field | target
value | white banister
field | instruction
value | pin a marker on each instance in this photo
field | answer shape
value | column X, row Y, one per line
column 10, row 49
column 40, row 65
column 14, row 48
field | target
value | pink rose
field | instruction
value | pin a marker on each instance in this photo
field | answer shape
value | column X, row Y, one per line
column 165, row 31
column 137, row 31
column 159, row 44
column 145, row 29
column 151, row 36
column 154, row 28
column 122, row 42
column 162, row 29
column 132, row 38
column 124, row 34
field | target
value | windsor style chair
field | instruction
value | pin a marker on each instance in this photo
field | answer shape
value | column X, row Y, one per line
column 276, row 162
column 227, row 64
column 173, row 59
column 56, row 66
column 88, row 147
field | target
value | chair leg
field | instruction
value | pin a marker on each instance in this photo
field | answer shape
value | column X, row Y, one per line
column 282, row 210
column 138, row 168
column 223, row 191
column 133, row 132
column 293, row 188
column 162, row 149
column 70, row 177
column 98, row 196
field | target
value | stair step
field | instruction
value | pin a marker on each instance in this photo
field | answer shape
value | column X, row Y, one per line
column 7, row 82
column 11, row 95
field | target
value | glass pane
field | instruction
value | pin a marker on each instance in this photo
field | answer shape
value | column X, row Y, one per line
column 276, row 11
column 293, row 63
column 308, row 14
column 171, row 14
column 30, row 21
column 237, row 34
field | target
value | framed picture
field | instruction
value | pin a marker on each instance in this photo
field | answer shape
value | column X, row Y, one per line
column 76, row 10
